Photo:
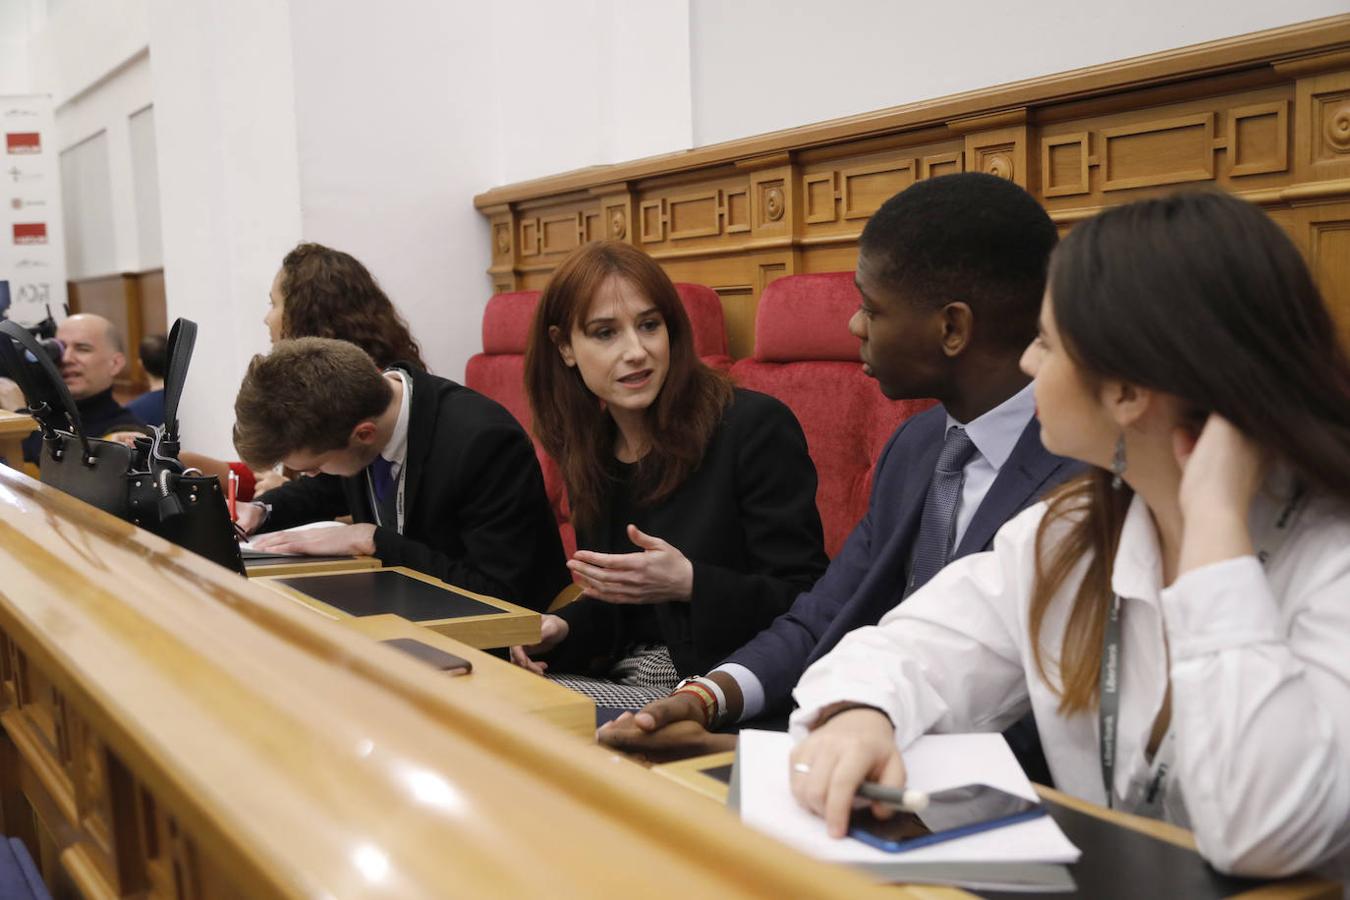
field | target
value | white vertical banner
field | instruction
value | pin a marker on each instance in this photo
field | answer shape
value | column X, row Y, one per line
column 32, row 241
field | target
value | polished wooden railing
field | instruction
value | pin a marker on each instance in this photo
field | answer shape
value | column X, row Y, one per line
column 1265, row 116
column 175, row 731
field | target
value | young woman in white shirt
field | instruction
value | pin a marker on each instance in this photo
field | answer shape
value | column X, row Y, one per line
column 1185, row 351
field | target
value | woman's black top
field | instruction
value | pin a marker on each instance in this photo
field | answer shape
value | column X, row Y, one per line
column 747, row 520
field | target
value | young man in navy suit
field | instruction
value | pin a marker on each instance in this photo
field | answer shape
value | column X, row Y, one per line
column 951, row 273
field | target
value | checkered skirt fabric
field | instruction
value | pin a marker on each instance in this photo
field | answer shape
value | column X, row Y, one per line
column 647, row 673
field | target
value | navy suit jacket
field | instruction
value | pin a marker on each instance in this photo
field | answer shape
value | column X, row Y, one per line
column 867, row 579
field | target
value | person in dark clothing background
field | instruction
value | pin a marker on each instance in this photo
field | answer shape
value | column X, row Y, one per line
column 94, row 355
column 149, row 407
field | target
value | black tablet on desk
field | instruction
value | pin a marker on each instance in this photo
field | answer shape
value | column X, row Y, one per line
column 384, row 591
column 1119, row 863
column 263, row 560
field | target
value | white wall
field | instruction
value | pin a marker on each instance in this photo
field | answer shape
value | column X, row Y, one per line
column 18, row 19
column 104, row 106
column 145, row 187
column 370, row 126
column 765, row 65
column 449, row 99
column 78, row 43
column 86, row 199
column 229, row 185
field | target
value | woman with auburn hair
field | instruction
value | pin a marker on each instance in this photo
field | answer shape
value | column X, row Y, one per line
column 1179, row 618
column 694, row 502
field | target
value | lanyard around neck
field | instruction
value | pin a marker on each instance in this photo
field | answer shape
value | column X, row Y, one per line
column 398, row 499
column 1108, row 705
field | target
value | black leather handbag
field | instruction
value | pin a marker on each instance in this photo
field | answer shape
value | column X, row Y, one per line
column 148, row 485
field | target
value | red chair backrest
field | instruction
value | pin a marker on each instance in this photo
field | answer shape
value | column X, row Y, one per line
column 806, row 357
column 499, row 371
column 704, row 308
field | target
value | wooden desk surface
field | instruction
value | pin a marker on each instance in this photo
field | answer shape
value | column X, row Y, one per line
column 280, row 567
column 513, row 625
column 176, row 724
column 509, row 686
column 692, row 774
column 12, row 423
column 14, row 427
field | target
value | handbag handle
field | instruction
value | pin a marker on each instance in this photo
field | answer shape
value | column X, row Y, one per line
column 19, row 370
column 182, row 339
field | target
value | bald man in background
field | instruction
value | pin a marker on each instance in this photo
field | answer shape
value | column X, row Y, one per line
column 93, row 357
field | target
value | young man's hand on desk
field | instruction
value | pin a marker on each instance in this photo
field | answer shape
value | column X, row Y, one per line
column 679, row 735
column 341, row 540
column 677, row 726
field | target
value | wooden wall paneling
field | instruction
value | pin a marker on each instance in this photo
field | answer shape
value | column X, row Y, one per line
column 937, row 164
column 1239, row 141
column 615, row 210
column 1265, row 116
column 1064, row 164
column 775, row 213
column 502, row 225
column 1158, row 152
column 154, row 303
column 1258, row 139
column 1002, row 152
column 997, row 144
column 1325, row 231
column 1322, row 141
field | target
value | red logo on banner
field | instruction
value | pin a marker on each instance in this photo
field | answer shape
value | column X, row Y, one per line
column 23, row 142
column 30, row 233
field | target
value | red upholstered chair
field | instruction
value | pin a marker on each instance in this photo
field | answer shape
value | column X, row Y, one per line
column 705, row 315
column 805, row 356
column 499, row 372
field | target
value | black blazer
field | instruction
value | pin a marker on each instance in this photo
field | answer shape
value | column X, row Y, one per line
column 746, row 518
column 475, row 512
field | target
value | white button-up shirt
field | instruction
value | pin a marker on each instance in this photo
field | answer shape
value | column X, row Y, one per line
column 1259, row 670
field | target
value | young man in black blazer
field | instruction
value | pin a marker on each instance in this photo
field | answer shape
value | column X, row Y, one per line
column 435, row 476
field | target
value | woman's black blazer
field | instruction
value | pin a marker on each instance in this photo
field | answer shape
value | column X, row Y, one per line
column 747, row 520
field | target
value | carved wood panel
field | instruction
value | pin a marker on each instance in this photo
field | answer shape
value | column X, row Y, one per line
column 101, row 832
column 1326, row 234
column 1324, row 125
column 1274, row 128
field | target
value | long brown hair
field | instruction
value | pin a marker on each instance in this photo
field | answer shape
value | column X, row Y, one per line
column 330, row 294
column 1203, row 297
column 571, row 423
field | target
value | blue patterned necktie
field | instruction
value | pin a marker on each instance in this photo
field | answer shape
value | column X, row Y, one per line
column 382, row 478
column 933, row 547
column 382, row 482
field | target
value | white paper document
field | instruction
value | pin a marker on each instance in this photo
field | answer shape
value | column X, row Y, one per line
column 247, row 548
column 934, row 762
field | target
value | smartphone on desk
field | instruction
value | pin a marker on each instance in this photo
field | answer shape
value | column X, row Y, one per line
column 953, row 813
column 433, row 656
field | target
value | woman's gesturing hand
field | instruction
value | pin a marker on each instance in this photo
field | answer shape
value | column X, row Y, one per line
column 657, row 573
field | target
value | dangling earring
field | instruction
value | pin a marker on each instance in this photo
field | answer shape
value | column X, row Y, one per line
column 1118, row 463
